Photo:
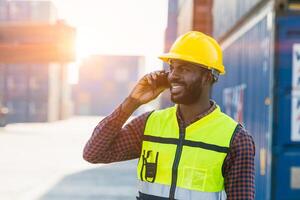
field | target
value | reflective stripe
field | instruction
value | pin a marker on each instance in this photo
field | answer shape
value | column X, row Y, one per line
column 180, row 194
column 190, row 143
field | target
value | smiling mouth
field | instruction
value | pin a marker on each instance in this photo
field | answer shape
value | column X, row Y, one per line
column 176, row 88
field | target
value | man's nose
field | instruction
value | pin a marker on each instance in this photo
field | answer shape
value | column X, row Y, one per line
column 173, row 75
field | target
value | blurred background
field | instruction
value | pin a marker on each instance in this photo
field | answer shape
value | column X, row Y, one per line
column 64, row 65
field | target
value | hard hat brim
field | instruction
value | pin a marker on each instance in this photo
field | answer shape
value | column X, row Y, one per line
column 167, row 56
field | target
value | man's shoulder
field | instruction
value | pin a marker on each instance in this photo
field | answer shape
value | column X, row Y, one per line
column 242, row 138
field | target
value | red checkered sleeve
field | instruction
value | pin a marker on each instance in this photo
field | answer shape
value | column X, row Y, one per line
column 239, row 169
column 111, row 141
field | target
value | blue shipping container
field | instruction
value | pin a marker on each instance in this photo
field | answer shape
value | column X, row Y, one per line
column 286, row 138
column 228, row 12
column 261, row 90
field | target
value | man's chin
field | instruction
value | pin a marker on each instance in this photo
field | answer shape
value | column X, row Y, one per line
column 182, row 100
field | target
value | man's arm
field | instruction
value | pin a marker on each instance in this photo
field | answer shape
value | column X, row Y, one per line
column 239, row 172
column 109, row 141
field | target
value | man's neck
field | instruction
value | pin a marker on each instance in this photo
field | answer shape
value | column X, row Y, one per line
column 191, row 111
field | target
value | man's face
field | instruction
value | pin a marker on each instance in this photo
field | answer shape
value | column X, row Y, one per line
column 186, row 80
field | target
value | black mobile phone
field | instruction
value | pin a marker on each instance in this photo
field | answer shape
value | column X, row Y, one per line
column 162, row 80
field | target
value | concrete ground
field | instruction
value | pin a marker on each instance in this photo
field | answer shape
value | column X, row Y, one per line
column 44, row 161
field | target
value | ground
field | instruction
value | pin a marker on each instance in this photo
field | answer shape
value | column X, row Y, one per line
column 44, row 161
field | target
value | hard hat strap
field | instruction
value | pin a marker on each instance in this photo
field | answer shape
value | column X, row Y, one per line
column 215, row 74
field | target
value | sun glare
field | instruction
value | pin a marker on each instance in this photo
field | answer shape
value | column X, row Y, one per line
column 133, row 27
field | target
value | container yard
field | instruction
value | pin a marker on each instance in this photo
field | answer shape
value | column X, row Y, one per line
column 43, row 115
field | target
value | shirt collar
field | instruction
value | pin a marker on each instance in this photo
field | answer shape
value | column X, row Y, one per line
column 213, row 106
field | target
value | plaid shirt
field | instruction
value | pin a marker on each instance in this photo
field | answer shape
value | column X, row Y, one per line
column 111, row 141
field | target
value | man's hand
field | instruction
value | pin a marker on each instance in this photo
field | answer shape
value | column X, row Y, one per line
column 149, row 87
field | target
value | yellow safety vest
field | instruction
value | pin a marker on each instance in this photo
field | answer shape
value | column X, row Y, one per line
column 184, row 164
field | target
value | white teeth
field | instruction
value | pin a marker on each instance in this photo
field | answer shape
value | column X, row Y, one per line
column 175, row 88
column 175, row 85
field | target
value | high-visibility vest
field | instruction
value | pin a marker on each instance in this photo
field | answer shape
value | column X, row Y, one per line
column 184, row 164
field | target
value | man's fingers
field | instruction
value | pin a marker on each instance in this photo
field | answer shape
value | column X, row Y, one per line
column 149, row 79
column 153, row 77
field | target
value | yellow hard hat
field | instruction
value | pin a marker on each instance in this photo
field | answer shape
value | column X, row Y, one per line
column 196, row 47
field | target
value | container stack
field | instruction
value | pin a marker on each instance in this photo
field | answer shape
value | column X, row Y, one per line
column 261, row 41
column 260, row 90
column 104, row 82
column 34, row 51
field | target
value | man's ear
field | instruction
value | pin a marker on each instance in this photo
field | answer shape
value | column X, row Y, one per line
column 207, row 79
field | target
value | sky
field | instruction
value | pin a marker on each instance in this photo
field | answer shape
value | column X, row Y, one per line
column 118, row 27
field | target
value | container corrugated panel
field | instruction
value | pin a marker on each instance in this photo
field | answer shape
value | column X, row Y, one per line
column 38, row 89
column 43, row 11
column 3, row 11
column 26, row 92
column 16, row 93
column 286, row 140
column 185, row 16
column 38, row 81
column 2, row 84
column 37, row 111
column 2, row 78
column 171, row 30
column 170, row 37
column 244, row 91
column 105, row 81
column 30, row 11
column 115, row 87
column 19, row 11
column 203, row 16
column 228, row 12
column 17, row 81
column 18, row 111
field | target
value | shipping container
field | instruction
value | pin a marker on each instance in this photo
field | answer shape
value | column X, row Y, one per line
column 2, row 81
column 17, row 82
column 3, row 11
column 19, row 11
column 35, row 92
column 170, row 37
column 43, row 11
column 28, row 11
column 18, row 111
column 261, row 90
column 104, row 81
column 38, row 111
column 38, row 81
column 286, row 116
column 194, row 15
column 227, row 13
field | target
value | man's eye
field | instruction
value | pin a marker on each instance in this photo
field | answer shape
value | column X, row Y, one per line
column 185, row 69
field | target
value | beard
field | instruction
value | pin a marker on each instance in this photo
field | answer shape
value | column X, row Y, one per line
column 190, row 95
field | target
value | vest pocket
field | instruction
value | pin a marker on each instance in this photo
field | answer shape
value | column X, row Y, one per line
column 194, row 178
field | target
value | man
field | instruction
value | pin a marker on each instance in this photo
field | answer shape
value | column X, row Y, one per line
column 189, row 151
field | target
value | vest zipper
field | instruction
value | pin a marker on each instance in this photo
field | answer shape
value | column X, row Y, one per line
column 176, row 163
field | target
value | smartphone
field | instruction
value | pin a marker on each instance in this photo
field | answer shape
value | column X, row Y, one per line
column 162, row 80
